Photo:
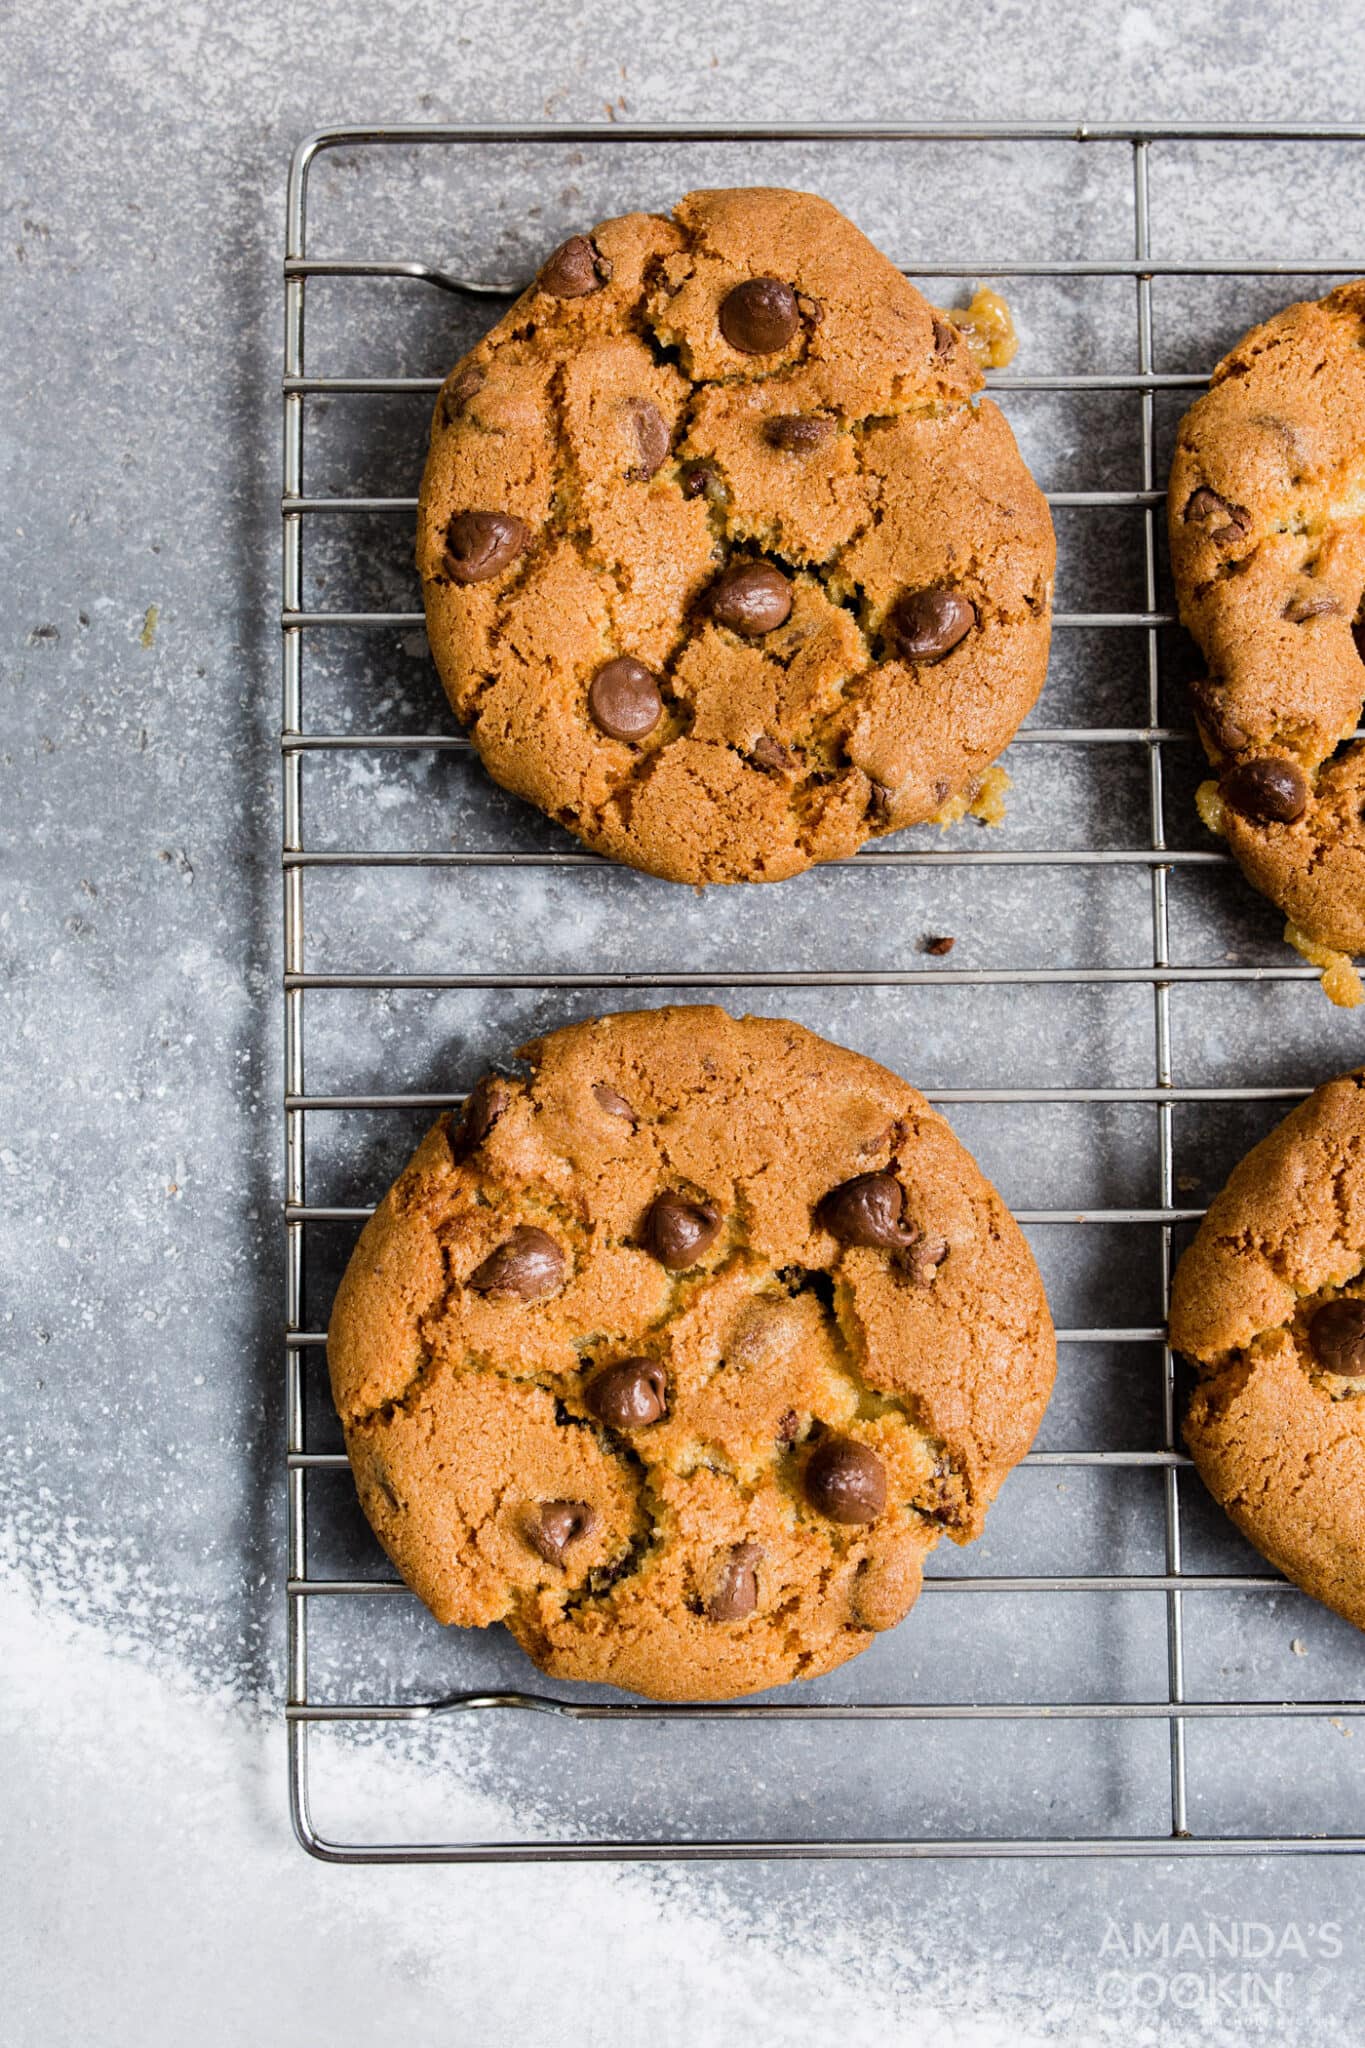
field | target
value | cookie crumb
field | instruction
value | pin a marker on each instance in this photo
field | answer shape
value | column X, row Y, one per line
column 940, row 944
column 987, row 327
column 149, row 625
column 1299, row 1647
column 1210, row 807
column 1340, row 982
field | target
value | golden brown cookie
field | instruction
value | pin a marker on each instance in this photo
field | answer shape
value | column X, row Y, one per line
column 1269, row 1303
column 679, row 1354
column 1267, row 521
column 726, row 565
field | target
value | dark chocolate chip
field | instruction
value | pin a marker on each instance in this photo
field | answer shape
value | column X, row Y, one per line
column 735, row 1592
column 463, row 386
column 624, row 700
column 759, row 316
column 574, row 270
column 484, row 1104
column 482, row 544
column 1214, row 718
column 525, row 1266
column 944, row 338
column 845, row 1481
column 919, row 1262
column 1267, row 790
column 631, row 1395
column 651, row 438
column 679, row 1232
column 940, row 945
column 798, row 432
column 702, row 480
column 751, row 598
column 614, row 1104
column 555, row 1524
column 881, row 801
column 1225, row 521
column 924, row 625
column 1305, row 605
column 1336, row 1334
column 867, row 1211
column 767, row 752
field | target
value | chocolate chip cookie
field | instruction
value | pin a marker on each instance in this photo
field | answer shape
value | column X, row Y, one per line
column 682, row 1349
column 1267, row 522
column 726, row 565
column 1269, row 1303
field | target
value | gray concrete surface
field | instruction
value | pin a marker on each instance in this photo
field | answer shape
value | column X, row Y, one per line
column 150, row 1882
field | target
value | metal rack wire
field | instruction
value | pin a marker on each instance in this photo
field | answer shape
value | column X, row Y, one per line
column 303, row 1345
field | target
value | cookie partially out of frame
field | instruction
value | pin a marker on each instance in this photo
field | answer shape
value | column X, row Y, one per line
column 726, row 565
column 679, row 1354
column 1269, row 1303
column 1267, row 522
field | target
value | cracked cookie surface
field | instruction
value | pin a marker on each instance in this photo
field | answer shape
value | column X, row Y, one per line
column 680, row 1352
column 735, row 450
column 1267, row 524
column 1269, row 1304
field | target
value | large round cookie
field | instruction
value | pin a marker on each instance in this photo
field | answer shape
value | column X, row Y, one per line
column 1267, row 521
column 680, row 1353
column 1269, row 1302
column 726, row 567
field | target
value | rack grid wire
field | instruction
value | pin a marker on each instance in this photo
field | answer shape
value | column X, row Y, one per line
column 303, row 1344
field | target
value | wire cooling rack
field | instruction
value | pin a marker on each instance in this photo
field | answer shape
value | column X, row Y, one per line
column 414, row 1691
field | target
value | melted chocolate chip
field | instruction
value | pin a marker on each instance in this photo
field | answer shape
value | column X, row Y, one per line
column 1306, row 604
column 574, row 270
column 943, row 340
column 759, row 316
column 482, row 544
column 924, row 625
column 867, row 1211
column 1225, row 522
column 1214, row 718
column 555, row 1524
column 845, row 1481
column 735, row 1592
column 751, row 598
column 614, row 1104
column 798, row 432
column 1336, row 1334
column 463, row 386
column 679, row 1232
column 919, row 1262
column 702, row 480
column 651, row 438
column 1267, row 790
column 769, row 753
column 524, row 1267
column 631, row 1395
column 484, row 1104
column 624, row 700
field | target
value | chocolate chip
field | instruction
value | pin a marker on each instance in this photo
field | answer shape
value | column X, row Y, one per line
column 574, row 270
column 702, row 480
column 919, row 1262
column 798, row 432
column 845, row 1481
column 767, row 752
column 482, row 544
column 631, row 1395
column 525, row 1266
column 867, row 1211
column 651, row 438
column 614, row 1104
column 463, row 386
column 1267, row 790
column 788, row 1426
column 759, row 316
column 751, row 598
column 1304, row 605
column 944, row 338
column 735, row 1592
column 679, row 1232
column 1337, row 1336
column 940, row 945
column 1225, row 521
column 1214, row 718
column 880, row 801
column 624, row 700
column 555, row 1524
column 484, row 1104
column 924, row 625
